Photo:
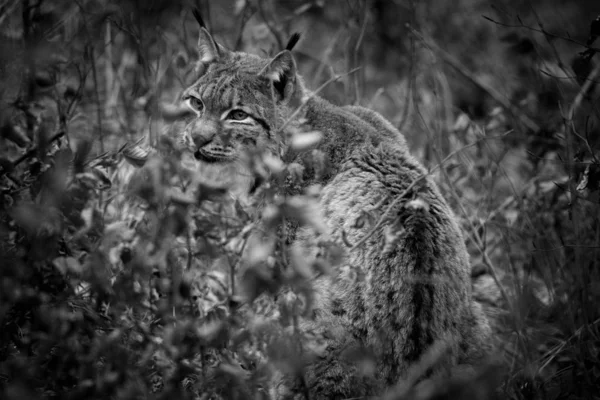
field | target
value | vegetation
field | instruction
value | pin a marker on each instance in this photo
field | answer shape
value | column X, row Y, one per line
column 116, row 282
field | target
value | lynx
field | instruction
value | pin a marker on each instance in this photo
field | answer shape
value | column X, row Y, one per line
column 414, row 289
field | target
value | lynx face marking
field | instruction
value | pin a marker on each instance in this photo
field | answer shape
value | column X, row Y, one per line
column 228, row 119
column 237, row 112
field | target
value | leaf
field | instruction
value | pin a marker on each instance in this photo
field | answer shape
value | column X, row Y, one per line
column 147, row 181
column 319, row 164
column 174, row 112
column 234, row 371
column 68, row 265
column 305, row 140
column 97, row 272
column 104, row 181
column 43, row 79
column 96, row 179
column 259, row 252
column 55, row 179
column 582, row 66
column 6, row 166
column 274, row 164
column 15, row 134
column 212, row 333
column 7, row 201
column 271, row 216
column 391, row 236
column 323, row 267
column 82, row 152
column 300, row 263
column 218, row 282
column 257, row 280
column 584, row 179
column 210, row 190
column 239, row 6
column 176, row 196
column 29, row 217
column 295, row 171
column 306, row 211
column 136, row 155
column 117, row 233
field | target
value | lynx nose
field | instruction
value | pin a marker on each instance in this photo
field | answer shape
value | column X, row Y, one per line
column 202, row 140
column 204, row 131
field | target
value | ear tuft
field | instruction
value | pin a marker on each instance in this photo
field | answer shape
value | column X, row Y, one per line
column 281, row 71
column 292, row 42
column 198, row 17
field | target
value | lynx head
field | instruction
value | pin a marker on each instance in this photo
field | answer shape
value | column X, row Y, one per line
column 240, row 102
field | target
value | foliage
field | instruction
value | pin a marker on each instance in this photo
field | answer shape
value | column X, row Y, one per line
column 126, row 273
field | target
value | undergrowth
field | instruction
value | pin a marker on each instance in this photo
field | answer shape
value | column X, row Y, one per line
column 119, row 282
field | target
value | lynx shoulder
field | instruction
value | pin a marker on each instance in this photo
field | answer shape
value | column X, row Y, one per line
column 405, row 283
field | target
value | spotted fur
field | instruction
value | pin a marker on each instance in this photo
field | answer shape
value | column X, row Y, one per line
column 413, row 291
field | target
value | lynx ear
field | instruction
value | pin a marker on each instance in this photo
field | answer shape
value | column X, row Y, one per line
column 208, row 49
column 282, row 73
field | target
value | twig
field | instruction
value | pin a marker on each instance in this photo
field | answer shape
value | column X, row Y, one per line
column 190, row 254
column 585, row 140
column 464, row 71
column 561, row 65
column 376, row 96
column 31, row 152
column 8, row 9
column 97, row 97
column 584, row 89
column 552, row 353
column 110, row 87
column 28, row 12
column 246, row 14
column 545, row 32
column 355, row 55
column 326, row 56
column 479, row 242
column 386, row 213
column 568, row 120
column 312, row 95
column 411, row 73
column 272, row 29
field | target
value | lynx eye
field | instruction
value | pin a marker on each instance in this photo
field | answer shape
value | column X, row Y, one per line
column 194, row 103
column 238, row 115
